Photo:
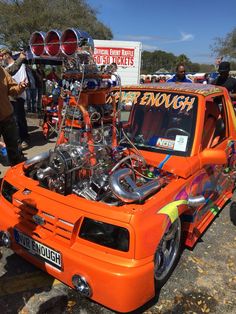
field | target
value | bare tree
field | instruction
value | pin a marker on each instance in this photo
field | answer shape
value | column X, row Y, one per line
column 226, row 47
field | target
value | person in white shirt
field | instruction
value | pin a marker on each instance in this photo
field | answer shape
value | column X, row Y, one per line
column 206, row 79
column 18, row 102
column 114, row 75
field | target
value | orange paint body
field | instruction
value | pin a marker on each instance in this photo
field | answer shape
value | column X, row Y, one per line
column 123, row 280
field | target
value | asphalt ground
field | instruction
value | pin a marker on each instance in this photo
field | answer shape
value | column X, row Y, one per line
column 204, row 280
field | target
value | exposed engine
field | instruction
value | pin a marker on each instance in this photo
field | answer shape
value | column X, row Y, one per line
column 89, row 161
column 95, row 171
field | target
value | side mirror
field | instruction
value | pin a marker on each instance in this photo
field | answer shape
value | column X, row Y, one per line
column 213, row 156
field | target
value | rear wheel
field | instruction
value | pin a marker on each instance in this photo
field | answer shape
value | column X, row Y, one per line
column 167, row 253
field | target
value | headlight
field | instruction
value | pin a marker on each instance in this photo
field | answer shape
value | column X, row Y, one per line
column 105, row 234
column 8, row 190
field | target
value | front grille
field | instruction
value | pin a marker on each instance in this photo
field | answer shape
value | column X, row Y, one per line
column 56, row 226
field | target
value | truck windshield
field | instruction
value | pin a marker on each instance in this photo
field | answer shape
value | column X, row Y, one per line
column 162, row 121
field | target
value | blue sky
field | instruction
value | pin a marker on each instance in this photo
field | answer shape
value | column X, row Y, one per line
column 177, row 26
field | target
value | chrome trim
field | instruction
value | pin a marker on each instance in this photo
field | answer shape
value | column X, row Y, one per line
column 44, row 173
column 81, row 285
column 49, row 215
column 66, row 222
column 34, row 160
column 5, row 239
column 18, row 201
column 139, row 192
column 195, row 201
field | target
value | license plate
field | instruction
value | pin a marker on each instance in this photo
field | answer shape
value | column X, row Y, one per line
column 38, row 249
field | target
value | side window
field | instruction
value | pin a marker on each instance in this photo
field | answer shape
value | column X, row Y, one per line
column 214, row 122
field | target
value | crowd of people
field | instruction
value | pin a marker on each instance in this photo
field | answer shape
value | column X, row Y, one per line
column 9, row 87
column 153, row 79
column 22, row 86
column 36, row 76
column 223, row 79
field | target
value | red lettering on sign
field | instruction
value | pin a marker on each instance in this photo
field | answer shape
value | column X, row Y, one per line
column 121, row 56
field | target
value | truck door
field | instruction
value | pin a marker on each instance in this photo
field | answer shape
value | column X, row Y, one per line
column 217, row 180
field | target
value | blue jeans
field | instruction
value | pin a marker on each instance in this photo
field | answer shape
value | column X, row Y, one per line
column 39, row 102
column 31, row 99
column 19, row 112
column 9, row 132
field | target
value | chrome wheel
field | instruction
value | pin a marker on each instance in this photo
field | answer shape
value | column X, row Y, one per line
column 167, row 252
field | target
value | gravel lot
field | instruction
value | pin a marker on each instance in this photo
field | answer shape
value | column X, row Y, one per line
column 203, row 282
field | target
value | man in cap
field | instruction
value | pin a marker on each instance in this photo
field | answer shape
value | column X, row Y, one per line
column 224, row 79
column 14, row 66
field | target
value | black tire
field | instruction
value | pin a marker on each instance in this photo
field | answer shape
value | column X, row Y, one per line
column 232, row 213
column 168, row 253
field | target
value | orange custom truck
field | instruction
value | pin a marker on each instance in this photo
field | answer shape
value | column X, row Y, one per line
column 107, row 210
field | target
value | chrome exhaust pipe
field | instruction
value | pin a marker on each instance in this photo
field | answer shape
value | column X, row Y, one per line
column 36, row 159
column 138, row 193
column 37, row 43
column 44, row 173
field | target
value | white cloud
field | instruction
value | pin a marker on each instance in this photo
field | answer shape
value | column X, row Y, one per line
column 162, row 40
column 183, row 37
column 141, row 37
column 186, row 37
column 149, row 47
column 155, row 42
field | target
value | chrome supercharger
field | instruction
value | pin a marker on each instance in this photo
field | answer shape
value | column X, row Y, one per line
column 90, row 161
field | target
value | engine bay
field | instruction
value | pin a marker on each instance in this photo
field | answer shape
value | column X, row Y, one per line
column 89, row 165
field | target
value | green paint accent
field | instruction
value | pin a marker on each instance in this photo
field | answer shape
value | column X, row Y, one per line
column 171, row 210
column 150, row 174
column 215, row 210
column 227, row 170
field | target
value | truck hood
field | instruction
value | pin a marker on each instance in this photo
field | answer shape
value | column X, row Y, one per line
column 178, row 165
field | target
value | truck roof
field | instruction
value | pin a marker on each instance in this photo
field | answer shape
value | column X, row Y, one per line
column 201, row 89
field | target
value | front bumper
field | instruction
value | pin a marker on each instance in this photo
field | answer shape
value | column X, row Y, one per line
column 122, row 285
